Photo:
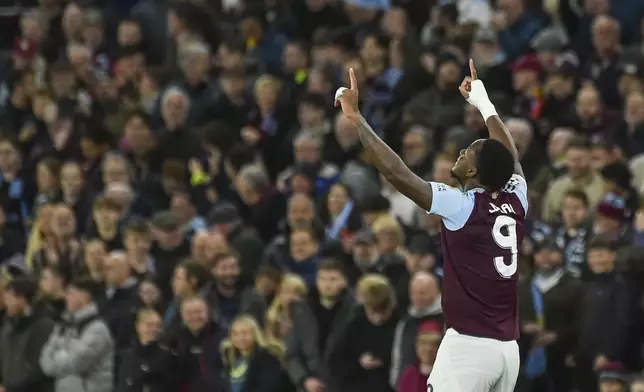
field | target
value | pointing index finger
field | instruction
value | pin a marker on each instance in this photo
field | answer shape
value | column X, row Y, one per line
column 354, row 82
column 473, row 70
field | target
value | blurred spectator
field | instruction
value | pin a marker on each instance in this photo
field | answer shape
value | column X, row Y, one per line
column 250, row 364
column 225, row 219
column 318, row 321
column 425, row 300
column 278, row 318
column 605, row 298
column 197, row 345
column 147, row 365
column 363, row 355
column 24, row 334
column 230, row 296
column 428, row 337
column 579, row 173
column 79, row 353
column 550, row 305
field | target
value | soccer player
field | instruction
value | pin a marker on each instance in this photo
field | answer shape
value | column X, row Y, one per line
column 482, row 229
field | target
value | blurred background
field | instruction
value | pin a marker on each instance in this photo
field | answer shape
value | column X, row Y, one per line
column 182, row 208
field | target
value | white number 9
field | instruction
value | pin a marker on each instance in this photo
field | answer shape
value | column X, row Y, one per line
column 506, row 241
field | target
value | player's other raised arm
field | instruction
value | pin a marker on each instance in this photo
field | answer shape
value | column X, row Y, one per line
column 474, row 92
column 385, row 159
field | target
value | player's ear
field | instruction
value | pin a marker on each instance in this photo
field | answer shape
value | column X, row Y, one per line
column 471, row 172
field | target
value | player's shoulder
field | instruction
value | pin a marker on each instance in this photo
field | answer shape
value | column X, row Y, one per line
column 515, row 184
column 518, row 186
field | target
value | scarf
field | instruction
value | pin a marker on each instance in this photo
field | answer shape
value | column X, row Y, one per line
column 340, row 221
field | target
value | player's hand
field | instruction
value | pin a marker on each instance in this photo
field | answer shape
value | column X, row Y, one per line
column 368, row 361
column 312, row 384
column 473, row 90
column 349, row 99
column 532, row 328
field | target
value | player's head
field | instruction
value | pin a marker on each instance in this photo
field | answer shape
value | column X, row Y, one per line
column 487, row 161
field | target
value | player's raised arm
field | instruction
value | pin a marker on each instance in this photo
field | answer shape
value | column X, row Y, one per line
column 386, row 160
column 474, row 92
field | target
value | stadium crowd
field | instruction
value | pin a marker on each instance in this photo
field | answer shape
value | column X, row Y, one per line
column 182, row 209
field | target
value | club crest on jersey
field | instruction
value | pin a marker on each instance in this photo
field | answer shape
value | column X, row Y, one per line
column 504, row 209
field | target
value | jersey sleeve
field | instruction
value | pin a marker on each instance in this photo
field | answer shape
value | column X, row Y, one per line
column 519, row 187
column 451, row 204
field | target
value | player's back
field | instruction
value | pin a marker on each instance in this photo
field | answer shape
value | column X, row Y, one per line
column 480, row 237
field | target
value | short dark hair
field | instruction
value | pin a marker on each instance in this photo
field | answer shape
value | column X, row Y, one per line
column 239, row 155
column 603, row 241
column 269, row 272
column 331, row 264
column 195, row 271
column 495, row 165
column 235, row 45
column 579, row 194
column 62, row 273
column 217, row 134
column 138, row 226
column 579, row 142
column 227, row 254
column 86, row 284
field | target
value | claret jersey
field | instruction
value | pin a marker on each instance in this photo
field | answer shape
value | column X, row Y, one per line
column 481, row 233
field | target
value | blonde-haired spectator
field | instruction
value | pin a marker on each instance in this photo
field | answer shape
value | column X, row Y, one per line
column 278, row 319
column 389, row 234
column 251, row 363
column 362, row 358
column 40, row 232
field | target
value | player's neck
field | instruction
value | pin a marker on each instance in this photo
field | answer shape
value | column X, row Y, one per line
column 470, row 184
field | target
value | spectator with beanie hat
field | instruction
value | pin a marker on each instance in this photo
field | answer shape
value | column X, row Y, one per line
column 79, row 354
column 611, row 218
column 613, row 378
column 414, row 379
column 619, row 179
column 605, row 315
column 23, row 336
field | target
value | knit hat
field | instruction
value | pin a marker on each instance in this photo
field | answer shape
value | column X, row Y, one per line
column 527, row 63
column 612, row 206
column 549, row 40
column 25, row 48
column 613, row 371
column 430, row 330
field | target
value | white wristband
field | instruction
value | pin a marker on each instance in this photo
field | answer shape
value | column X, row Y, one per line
column 487, row 110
